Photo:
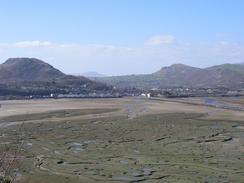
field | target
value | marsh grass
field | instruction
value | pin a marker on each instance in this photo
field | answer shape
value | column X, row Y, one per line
column 10, row 158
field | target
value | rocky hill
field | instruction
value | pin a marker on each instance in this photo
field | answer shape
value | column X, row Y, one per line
column 179, row 75
column 27, row 69
column 33, row 77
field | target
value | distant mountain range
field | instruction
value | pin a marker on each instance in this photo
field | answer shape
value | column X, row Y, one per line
column 179, row 75
column 31, row 76
column 90, row 74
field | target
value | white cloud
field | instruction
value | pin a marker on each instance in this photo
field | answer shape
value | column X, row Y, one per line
column 3, row 44
column 26, row 44
column 161, row 40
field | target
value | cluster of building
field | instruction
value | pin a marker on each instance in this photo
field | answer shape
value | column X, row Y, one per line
column 192, row 92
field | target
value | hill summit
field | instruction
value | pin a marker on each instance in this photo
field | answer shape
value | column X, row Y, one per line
column 180, row 75
column 28, row 69
column 24, row 77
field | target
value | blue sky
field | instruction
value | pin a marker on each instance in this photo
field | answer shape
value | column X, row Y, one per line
column 123, row 36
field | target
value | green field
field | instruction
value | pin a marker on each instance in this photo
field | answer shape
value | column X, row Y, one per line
column 105, row 144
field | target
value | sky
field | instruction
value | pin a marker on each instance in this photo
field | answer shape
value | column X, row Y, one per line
column 118, row 37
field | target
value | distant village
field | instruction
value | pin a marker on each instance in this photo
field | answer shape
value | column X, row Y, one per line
column 177, row 92
column 195, row 92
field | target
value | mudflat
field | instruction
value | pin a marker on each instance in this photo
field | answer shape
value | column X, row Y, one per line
column 123, row 140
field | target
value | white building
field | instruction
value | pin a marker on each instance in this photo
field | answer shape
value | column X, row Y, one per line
column 143, row 95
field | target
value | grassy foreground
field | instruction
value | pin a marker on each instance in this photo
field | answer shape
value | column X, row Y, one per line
column 177, row 147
